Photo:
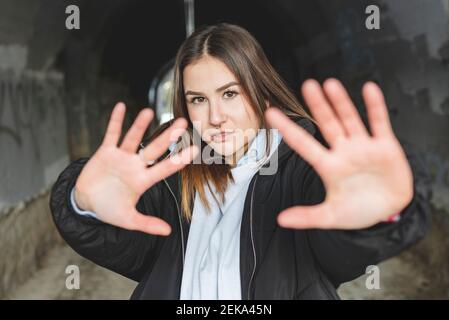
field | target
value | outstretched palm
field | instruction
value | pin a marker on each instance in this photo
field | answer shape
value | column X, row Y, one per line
column 367, row 177
column 115, row 177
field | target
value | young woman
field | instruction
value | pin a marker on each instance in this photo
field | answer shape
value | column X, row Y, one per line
column 285, row 214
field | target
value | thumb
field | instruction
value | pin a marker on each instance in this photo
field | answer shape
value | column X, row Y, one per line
column 307, row 217
column 150, row 225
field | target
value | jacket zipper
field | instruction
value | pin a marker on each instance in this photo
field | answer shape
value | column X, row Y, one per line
column 252, row 238
column 142, row 146
column 180, row 221
column 250, row 225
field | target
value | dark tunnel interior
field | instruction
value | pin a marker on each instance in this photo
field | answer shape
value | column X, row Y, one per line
column 135, row 59
column 136, row 38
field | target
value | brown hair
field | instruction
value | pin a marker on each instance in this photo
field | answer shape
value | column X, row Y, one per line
column 260, row 83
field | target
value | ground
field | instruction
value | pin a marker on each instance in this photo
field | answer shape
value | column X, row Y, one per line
column 399, row 279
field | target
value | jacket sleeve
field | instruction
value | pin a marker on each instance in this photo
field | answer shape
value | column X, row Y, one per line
column 344, row 255
column 129, row 253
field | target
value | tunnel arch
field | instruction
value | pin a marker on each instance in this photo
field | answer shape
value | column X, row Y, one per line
column 138, row 30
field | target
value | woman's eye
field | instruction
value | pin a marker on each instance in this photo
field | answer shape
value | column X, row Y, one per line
column 230, row 94
column 197, row 100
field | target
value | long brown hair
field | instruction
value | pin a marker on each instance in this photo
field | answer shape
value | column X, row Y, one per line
column 260, row 83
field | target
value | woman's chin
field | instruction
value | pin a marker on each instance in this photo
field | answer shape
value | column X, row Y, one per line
column 224, row 151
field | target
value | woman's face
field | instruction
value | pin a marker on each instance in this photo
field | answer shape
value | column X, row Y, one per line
column 218, row 108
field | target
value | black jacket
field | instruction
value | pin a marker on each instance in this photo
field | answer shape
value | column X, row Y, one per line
column 275, row 262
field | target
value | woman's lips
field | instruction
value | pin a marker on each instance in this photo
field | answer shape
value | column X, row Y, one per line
column 221, row 137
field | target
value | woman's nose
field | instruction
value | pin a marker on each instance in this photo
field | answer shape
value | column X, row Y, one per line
column 216, row 114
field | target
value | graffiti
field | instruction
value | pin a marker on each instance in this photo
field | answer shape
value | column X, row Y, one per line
column 439, row 169
column 26, row 100
column 354, row 53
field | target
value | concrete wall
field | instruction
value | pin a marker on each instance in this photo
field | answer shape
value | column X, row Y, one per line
column 408, row 56
column 33, row 143
column 26, row 236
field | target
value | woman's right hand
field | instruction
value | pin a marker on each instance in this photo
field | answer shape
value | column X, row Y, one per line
column 115, row 177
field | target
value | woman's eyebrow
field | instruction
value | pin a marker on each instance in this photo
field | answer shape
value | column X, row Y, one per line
column 217, row 90
column 227, row 85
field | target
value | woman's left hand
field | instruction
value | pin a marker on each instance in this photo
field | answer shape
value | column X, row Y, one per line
column 366, row 176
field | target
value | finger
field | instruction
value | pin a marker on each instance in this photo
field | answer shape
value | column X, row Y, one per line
column 149, row 224
column 329, row 124
column 169, row 166
column 296, row 137
column 377, row 110
column 307, row 217
column 134, row 135
column 114, row 129
column 345, row 109
column 161, row 143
